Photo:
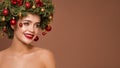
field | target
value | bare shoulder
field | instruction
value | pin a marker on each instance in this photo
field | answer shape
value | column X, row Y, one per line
column 44, row 52
column 47, row 57
column 1, row 54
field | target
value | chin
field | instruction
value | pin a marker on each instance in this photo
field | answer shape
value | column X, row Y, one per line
column 25, row 40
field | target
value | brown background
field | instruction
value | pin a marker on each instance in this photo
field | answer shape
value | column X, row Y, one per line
column 86, row 34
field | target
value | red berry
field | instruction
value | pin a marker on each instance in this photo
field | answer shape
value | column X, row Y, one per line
column 48, row 28
column 28, row 5
column 13, row 22
column 5, row 12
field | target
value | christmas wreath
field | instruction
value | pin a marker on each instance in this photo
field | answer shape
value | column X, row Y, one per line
column 12, row 10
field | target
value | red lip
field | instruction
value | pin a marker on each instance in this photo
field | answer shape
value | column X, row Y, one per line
column 29, row 36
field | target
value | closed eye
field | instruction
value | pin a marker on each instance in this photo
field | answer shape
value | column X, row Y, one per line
column 37, row 25
column 26, row 23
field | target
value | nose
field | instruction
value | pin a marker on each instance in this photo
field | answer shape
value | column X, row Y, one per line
column 31, row 29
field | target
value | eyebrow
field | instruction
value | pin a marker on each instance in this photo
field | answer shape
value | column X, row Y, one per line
column 31, row 21
column 27, row 20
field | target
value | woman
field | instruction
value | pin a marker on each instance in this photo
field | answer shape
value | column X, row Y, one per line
column 22, row 21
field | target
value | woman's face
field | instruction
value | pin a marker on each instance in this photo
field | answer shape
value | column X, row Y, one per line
column 27, row 28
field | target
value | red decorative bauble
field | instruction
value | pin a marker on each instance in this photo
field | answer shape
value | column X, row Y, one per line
column 14, row 2
column 28, row 5
column 20, row 2
column 37, row 1
column 48, row 28
column 39, row 4
column 5, row 12
column 13, row 22
column 36, row 38
column 44, row 33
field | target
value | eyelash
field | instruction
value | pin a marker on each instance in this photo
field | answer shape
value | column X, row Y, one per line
column 37, row 25
column 27, row 24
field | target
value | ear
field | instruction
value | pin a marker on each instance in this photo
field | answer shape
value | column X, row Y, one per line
column 13, row 26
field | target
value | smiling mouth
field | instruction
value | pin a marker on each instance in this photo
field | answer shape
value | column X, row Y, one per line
column 29, row 36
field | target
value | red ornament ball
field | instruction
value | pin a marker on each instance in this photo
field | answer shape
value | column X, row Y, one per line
column 28, row 5
column 39, row 4
column 13, row 22
column 5, row 12
column 20, row 3
column 37, row 1
column 36, row 38
column 18, row 0
column 48, row 28
column 14, row 2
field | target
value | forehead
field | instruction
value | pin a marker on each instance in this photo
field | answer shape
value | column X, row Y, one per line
column 32, row 17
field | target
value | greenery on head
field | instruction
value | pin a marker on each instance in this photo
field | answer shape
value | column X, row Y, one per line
column 12, row 10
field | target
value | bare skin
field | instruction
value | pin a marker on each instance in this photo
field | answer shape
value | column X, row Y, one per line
column 35, row 58
column 23, row 55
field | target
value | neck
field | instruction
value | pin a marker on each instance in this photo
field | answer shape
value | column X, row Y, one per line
column 20, row 48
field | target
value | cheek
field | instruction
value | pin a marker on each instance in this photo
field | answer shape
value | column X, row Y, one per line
column 37, row 31
column 23, row 28
column 20, row 28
